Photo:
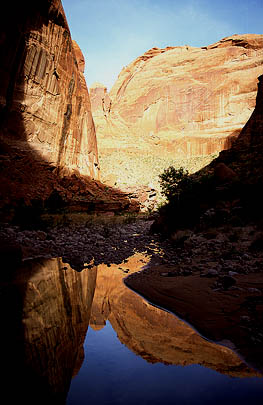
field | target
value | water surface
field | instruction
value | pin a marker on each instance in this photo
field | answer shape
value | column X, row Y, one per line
column 112, row 374
column 137, row 353
column 85, row 338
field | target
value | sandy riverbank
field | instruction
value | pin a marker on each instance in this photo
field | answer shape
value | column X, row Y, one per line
column 229, row 315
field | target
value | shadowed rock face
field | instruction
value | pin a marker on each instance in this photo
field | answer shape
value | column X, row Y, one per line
column 245, row 156
column 44, row 101
column 188, row 101
column 252, row 133
column 155, row 335
column 48, row 146
column 47, row 311
column 236, row 182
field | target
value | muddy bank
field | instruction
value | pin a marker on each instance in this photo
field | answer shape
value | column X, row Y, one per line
column 231, row 315
column 213, row 280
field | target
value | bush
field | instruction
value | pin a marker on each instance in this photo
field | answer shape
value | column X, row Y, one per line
column 178, row 184
column 173, row 182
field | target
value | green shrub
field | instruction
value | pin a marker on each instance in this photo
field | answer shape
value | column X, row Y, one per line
column 178, row 184
column 173, row 181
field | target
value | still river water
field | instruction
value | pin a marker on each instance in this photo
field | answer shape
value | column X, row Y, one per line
column 85, row 338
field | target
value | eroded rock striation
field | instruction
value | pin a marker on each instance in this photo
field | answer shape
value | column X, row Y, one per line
column 191, row 100
column 228, row 189
column 46, row 126
column 44, row 99
column 181, row 102
column 252, row 133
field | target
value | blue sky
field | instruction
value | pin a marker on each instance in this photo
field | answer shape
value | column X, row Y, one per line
column 111, row 33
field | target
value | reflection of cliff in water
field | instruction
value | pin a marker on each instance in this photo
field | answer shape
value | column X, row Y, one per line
column 46, row 316
column 45, row 312
column 154, row 334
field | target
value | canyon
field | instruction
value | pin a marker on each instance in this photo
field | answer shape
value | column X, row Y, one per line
column 231, row 210
column 47, row 135
column 175, row 105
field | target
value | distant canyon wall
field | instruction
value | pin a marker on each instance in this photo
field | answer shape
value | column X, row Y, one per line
column 188, row 101
column 44, row 100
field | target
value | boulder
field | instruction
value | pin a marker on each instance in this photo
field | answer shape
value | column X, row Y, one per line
column 223, row 173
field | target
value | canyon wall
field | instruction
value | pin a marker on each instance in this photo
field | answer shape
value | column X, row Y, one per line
column 48, row 146
column 251, row 135
column 184, row 100
column 245, row 155
column 45, row 111
column 236, row 180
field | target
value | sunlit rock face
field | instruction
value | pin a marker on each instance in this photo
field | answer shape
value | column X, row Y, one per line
column 245, row 155
column 185, row 100
column 44, row 101
column 155, row 335
column 107, row 128
column 53, row 320
column 100, row 100
column 251, row 135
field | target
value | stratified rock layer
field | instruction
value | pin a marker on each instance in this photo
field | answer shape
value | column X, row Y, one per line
column 173, row 105
column 251, row 135
column 48, row 146
column 44, row 101
column 191, row 100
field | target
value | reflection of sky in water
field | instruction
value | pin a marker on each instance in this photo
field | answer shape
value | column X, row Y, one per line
column 112, row 374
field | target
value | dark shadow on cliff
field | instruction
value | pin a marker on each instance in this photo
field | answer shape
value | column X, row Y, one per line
column 223, row 202
column 228, row 190
column 230, row 139
column 29, row 184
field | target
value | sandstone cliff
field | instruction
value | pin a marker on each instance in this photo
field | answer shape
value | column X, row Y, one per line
column 44, row 99
column 47, row 134
column 251, row 135
column 224, row 202
column 182, row 93
column 245, row 156
column 229, row 186
column 180, row 102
